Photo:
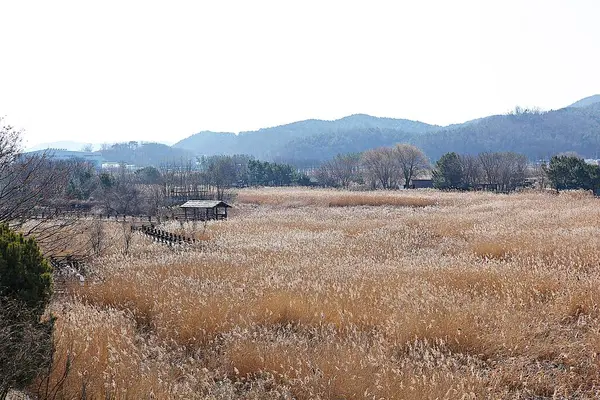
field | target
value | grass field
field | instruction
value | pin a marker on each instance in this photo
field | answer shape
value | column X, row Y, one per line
column 318, row 294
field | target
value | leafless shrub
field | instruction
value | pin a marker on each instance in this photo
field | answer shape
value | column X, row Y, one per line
column 25, row 345
column 96, row 237
column 127, row 237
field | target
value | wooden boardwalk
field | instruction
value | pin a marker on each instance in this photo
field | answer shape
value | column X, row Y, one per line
column 164, row 237
column 68, row 261
column 67, row 268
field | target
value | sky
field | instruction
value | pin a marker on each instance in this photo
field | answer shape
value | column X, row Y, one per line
column 110, row 71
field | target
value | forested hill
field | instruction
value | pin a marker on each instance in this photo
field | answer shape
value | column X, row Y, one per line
column 588, row 101
column 535, row 134
column 144, row 154
column 276, row 142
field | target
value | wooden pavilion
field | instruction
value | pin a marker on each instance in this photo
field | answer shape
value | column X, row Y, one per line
column 203, row 210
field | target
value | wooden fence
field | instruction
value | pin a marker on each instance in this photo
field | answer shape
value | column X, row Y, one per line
column 164, row 237
column 173, row 216
column 67, row 268
column 71, row 261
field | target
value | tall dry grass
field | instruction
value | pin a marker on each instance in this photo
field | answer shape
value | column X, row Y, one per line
column 285, row 197
column 471, row 296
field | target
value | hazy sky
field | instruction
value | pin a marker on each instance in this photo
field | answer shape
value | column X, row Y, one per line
column 109, row 71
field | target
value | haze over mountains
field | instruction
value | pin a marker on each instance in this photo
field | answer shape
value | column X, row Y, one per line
column 587, row 101
column 63, row 144
column 306, row 143
column 72, row 145
column 533, row 133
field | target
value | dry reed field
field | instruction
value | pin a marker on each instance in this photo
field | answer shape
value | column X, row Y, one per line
column 322, row 294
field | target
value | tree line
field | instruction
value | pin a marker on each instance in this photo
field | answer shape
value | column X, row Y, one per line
column 502, row 171
column 383, row 167
column 397, row 166
column 144, row 191
column 568, row 172
column 147, row 190
column 507, row 171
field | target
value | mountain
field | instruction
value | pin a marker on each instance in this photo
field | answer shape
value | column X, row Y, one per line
column 74, row 146
column 145, row 154
column 536, row 134
column 588, row 101
column 209, row 143
column 277, row 142
column 310, row 142
column 312, row 150
column 533, row 133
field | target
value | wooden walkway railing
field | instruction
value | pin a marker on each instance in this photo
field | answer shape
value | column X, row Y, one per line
column 67, row 267
column 67, row 261
column 164, row 237
column 106, row 217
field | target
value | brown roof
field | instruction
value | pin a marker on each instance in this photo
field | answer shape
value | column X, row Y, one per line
column 204, row 204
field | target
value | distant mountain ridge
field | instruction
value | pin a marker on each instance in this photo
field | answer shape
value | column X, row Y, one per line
column 74, row 145
column 587, row 101
column 136, row 153
column 145, row 154
column 533, row 133
column 537, row 135
column 275, row 142
column 307, row 143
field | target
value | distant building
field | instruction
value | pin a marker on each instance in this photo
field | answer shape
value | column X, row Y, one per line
column 203, row 210
column 421, row 184
column 66, row 155
column 111, row 165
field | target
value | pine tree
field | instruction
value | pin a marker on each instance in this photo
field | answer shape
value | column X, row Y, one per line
column 448, row 172
column 25, row 290
column 25, row 275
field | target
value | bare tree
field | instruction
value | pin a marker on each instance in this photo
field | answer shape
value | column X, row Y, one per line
column 490, row 164
column 345, row 168
column 221, row 172
column 87, row 148
column 512, row 170
column 324, row 175
column 27, row 184
column 127, row 237
column 539, row 173
column 381, row 166
column 411, row 162
column 154, row 198
column 181, row 179
column 96, row 237
column 472, row 171
column 504, row 170
column 32, row 188
column 340, row 171
column 119, row 193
